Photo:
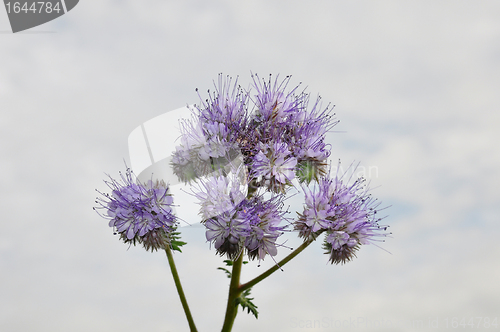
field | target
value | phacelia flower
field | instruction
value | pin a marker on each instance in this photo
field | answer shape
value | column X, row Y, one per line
column 264, row 218
column 346, row 212
column 225, row 113
column 227, row 232
column 219, row 197
column 199, row 153
column 140, row 213
column 274, row 167
column 286, row 118
column 235, row 223
column 274, row 103
column 220, row 193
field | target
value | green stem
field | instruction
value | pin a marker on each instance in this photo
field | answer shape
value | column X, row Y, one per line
column 273, row 269
column 179, row 289
column 234, row 293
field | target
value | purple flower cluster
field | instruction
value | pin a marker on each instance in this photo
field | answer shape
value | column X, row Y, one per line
column 277, row 138
column 235, row 223
column 291, row 136
column 345, row 212
column 274, row 167
column 140, row 213
column 200, row 154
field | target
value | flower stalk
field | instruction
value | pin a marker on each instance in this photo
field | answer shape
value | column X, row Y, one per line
column 277, row 266
column 234, row 292
column 180, row 291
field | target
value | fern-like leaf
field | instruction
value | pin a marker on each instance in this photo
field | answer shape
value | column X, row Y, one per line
column 246, row 303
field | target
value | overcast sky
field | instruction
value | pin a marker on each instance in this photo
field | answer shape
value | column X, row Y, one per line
column 416, row 87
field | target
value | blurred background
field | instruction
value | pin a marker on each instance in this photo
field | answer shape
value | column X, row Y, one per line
column 416, row 87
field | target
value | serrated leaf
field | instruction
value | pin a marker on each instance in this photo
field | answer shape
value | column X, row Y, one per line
column 175, row 243
column 225, row 270
column 229, row 262
column 246, row 303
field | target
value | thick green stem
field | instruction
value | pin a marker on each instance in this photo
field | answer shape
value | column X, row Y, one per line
column 273, row 269
column 179, row 289
column 234, row 293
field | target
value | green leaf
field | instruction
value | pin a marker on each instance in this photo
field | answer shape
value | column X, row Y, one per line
column 175, row 243
column 230, row 262
column 246, row 303
column 225, row 270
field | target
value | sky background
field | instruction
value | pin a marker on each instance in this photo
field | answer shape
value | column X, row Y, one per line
column 416, row 87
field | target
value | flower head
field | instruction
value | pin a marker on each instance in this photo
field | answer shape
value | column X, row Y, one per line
column 220, row 193
column 235, row 222
column 140, row 213
column 346, row 212
column 200, row 153
column 264, row 218
column 224, row 114
column 284, row 117
column 274, row 167
column 274, row 103
column 227, row 232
